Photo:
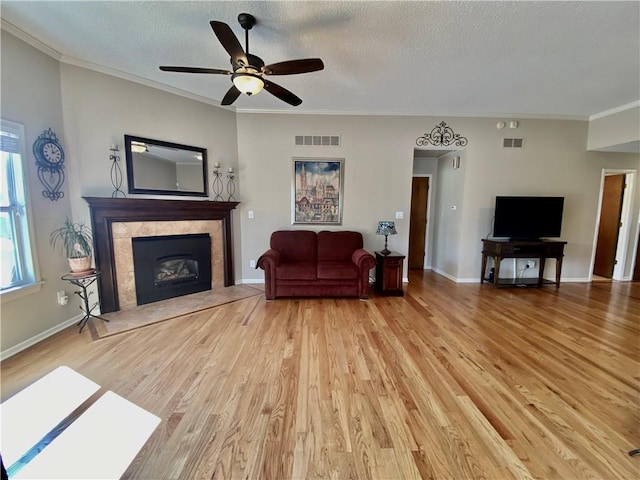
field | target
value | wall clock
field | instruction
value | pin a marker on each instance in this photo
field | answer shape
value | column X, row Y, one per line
column 50, row 162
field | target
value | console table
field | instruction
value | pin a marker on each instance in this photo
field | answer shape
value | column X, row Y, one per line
column 543, row 249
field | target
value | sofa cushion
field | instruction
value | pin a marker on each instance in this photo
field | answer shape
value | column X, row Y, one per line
column 295, row 245
column 296, row 271
column 338, row 246
column 337, row 271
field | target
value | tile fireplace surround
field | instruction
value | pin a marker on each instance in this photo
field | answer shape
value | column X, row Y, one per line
column 116, row 220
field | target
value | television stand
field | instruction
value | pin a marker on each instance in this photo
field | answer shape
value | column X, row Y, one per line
column 540, row 249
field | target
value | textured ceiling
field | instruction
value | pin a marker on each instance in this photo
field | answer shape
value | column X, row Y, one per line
column 564, row 59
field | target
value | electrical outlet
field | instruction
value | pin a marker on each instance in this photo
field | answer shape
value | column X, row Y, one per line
column 399, row 215
column 62, row 298
column 252, row 263
column 531, row 263
column 250, row 214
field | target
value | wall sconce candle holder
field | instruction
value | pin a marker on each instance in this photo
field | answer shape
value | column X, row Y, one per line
column 231, row 186
column 116, row 173
column 217, row 186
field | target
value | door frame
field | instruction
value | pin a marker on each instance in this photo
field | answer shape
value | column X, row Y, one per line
column 426, row 265
column 626, row 231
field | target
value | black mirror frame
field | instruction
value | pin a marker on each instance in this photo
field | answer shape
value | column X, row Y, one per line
column 128, row 139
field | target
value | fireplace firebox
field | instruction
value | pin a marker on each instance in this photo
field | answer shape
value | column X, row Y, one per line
column 170, row 266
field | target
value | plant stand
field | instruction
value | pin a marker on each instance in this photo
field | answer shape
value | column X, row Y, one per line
column 84, row 282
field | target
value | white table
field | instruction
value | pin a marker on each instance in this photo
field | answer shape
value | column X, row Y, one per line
column 42, row 435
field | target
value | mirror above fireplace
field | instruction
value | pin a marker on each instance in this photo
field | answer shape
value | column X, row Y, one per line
column 163, row 168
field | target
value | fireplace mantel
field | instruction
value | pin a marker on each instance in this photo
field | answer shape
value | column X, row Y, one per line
column 105, row 211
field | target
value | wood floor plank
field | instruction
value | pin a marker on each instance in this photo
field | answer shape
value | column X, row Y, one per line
column 450, row 381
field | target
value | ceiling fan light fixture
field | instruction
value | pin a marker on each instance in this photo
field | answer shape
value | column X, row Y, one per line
column 248, row 83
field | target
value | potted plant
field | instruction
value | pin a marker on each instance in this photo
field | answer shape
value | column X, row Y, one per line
column 75, row 241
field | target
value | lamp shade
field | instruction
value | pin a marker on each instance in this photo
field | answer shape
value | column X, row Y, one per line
column 386, row 228
column 248, row 83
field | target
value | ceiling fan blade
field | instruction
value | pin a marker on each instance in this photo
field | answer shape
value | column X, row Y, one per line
column 231, row 96
column 282, row 93
column 291, row 67
column 230, row 42
column 216, row 71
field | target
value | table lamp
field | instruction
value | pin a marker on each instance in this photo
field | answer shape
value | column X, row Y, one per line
column 386, row 228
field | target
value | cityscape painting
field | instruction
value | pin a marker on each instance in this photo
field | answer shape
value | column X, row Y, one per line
column 317, row 191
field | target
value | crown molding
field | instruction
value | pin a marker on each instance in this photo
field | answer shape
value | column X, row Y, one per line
column 30, row 39
column 140, row 80
column 613, row 111
column 423, row 114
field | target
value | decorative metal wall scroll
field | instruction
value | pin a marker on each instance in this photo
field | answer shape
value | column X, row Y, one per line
column 50, row 162
column 442, row 135
column 116, row 173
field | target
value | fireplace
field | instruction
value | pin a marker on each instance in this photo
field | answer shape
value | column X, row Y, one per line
column 115, row 221
column 167, row 266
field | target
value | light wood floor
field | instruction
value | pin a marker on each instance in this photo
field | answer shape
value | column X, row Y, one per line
column 449, row 381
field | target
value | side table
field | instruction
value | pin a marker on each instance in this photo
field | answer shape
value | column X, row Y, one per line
column 389, row 273
column 84, row 281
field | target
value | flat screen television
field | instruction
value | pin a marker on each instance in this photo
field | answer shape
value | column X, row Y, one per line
column 528, row 218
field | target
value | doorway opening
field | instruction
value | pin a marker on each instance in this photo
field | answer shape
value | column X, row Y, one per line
column 614, row 230
column 422, row 227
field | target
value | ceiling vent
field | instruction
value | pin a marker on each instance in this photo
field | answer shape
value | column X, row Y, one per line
column 318, row 140
column 512, row 143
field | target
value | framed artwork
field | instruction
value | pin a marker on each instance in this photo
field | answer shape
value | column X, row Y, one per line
column 317, row 191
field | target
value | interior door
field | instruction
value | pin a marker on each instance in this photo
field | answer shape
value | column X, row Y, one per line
column 418, row 222
column 610, row 215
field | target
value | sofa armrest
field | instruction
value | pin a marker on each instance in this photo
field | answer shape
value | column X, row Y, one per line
column 268, row 262
column 365, row 262
column 269, row 259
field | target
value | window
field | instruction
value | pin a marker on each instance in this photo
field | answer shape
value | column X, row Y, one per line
column 16, row 260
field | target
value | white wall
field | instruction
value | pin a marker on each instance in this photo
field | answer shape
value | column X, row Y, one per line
column 100, row 109
column 617, row 132
column 553, row 162
column 378, row 153
column 30, row 95
column 379, row 166
column 447, row 217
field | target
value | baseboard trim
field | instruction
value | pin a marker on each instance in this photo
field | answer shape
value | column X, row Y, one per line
column 574, row 280
column 467, row 280
column 9, row 352
column 249, row 281
column 445, row 274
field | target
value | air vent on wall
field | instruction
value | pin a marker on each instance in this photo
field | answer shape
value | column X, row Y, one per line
column 318, row 140
column 512, row 143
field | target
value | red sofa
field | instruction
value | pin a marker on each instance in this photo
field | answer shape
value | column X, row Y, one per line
column 310, row 264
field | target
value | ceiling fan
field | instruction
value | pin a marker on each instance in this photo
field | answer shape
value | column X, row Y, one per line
column 249, row 70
